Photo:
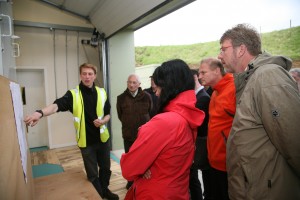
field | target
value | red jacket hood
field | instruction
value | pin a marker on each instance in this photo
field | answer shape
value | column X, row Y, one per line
column 185, row 105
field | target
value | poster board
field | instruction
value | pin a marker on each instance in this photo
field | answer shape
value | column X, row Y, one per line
column 13, row 184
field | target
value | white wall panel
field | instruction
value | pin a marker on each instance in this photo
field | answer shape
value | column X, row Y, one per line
column 60, row 61
column 121, row 64
column 72, row 67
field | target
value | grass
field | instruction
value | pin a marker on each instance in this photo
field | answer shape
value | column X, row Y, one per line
column 284, row 42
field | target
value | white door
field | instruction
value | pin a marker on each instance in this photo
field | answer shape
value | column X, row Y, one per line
column 34, row 83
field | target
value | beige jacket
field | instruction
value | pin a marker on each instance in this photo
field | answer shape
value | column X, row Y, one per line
column 263, row 149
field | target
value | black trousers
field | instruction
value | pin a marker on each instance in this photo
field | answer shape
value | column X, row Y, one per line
column 206, row 184
column 196, row 192
column 219, row 184
column 200, row 162
column 195, row 185
column 127, row 145
column 96, row 159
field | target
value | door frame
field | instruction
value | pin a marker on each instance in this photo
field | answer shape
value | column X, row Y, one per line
column 45, row 73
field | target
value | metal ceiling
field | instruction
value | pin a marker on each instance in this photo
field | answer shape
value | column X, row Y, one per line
column 111, row 16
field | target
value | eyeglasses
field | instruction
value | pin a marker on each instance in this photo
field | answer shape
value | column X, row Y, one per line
column 222, row 49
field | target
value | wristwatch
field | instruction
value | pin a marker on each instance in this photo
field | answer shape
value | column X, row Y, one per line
column 40, row 111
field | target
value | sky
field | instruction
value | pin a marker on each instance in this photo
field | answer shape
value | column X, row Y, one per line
column 206, row 20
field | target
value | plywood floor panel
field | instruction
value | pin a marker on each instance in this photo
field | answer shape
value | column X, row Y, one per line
column 68, row 185
column 70, row 159
column 43, row 157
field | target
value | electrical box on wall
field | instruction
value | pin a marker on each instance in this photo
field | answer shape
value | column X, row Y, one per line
column 7, row 59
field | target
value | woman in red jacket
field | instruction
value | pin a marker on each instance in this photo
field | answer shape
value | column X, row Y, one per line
column 159, row 161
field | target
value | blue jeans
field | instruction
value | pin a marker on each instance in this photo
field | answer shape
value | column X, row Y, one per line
column 96, row 159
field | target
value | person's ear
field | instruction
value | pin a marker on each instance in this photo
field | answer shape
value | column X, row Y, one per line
column 242, row 50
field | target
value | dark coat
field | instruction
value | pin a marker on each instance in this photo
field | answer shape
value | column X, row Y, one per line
column 133, row 112
column 201, row 159
column 154, row 102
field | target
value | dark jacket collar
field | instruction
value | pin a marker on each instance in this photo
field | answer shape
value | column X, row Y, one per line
column 85, row 89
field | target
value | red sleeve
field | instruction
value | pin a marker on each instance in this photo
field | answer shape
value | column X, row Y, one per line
column 150, row 142
column 231, row 100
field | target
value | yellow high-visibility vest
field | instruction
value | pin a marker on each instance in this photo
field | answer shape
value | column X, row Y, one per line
column 78, row 115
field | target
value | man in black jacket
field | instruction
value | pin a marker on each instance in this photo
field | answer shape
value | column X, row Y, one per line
column 152, row 90
column 200, row 159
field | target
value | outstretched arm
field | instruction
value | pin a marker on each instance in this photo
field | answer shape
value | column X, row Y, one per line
column 33, row 119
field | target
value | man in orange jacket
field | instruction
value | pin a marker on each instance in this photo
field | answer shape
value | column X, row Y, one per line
column 221, row 113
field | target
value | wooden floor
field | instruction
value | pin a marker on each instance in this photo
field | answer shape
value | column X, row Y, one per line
column 70, row 159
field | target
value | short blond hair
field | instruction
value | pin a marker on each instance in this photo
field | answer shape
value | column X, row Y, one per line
column 87, row 65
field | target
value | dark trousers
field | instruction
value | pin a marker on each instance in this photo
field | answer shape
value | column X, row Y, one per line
column 200, row 162
column 219, row 184
column 127, row 145
column 96, row 159
column 206, row 184
column 195, row 185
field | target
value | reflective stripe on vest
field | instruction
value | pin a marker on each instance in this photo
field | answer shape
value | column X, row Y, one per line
column 78, row 115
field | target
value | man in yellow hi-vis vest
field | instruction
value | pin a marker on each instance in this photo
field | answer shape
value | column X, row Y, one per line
column 91, row 111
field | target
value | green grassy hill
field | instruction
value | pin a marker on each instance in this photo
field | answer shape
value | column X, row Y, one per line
column 284, row 42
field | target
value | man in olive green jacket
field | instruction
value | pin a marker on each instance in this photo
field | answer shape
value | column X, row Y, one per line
column 263, row 148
